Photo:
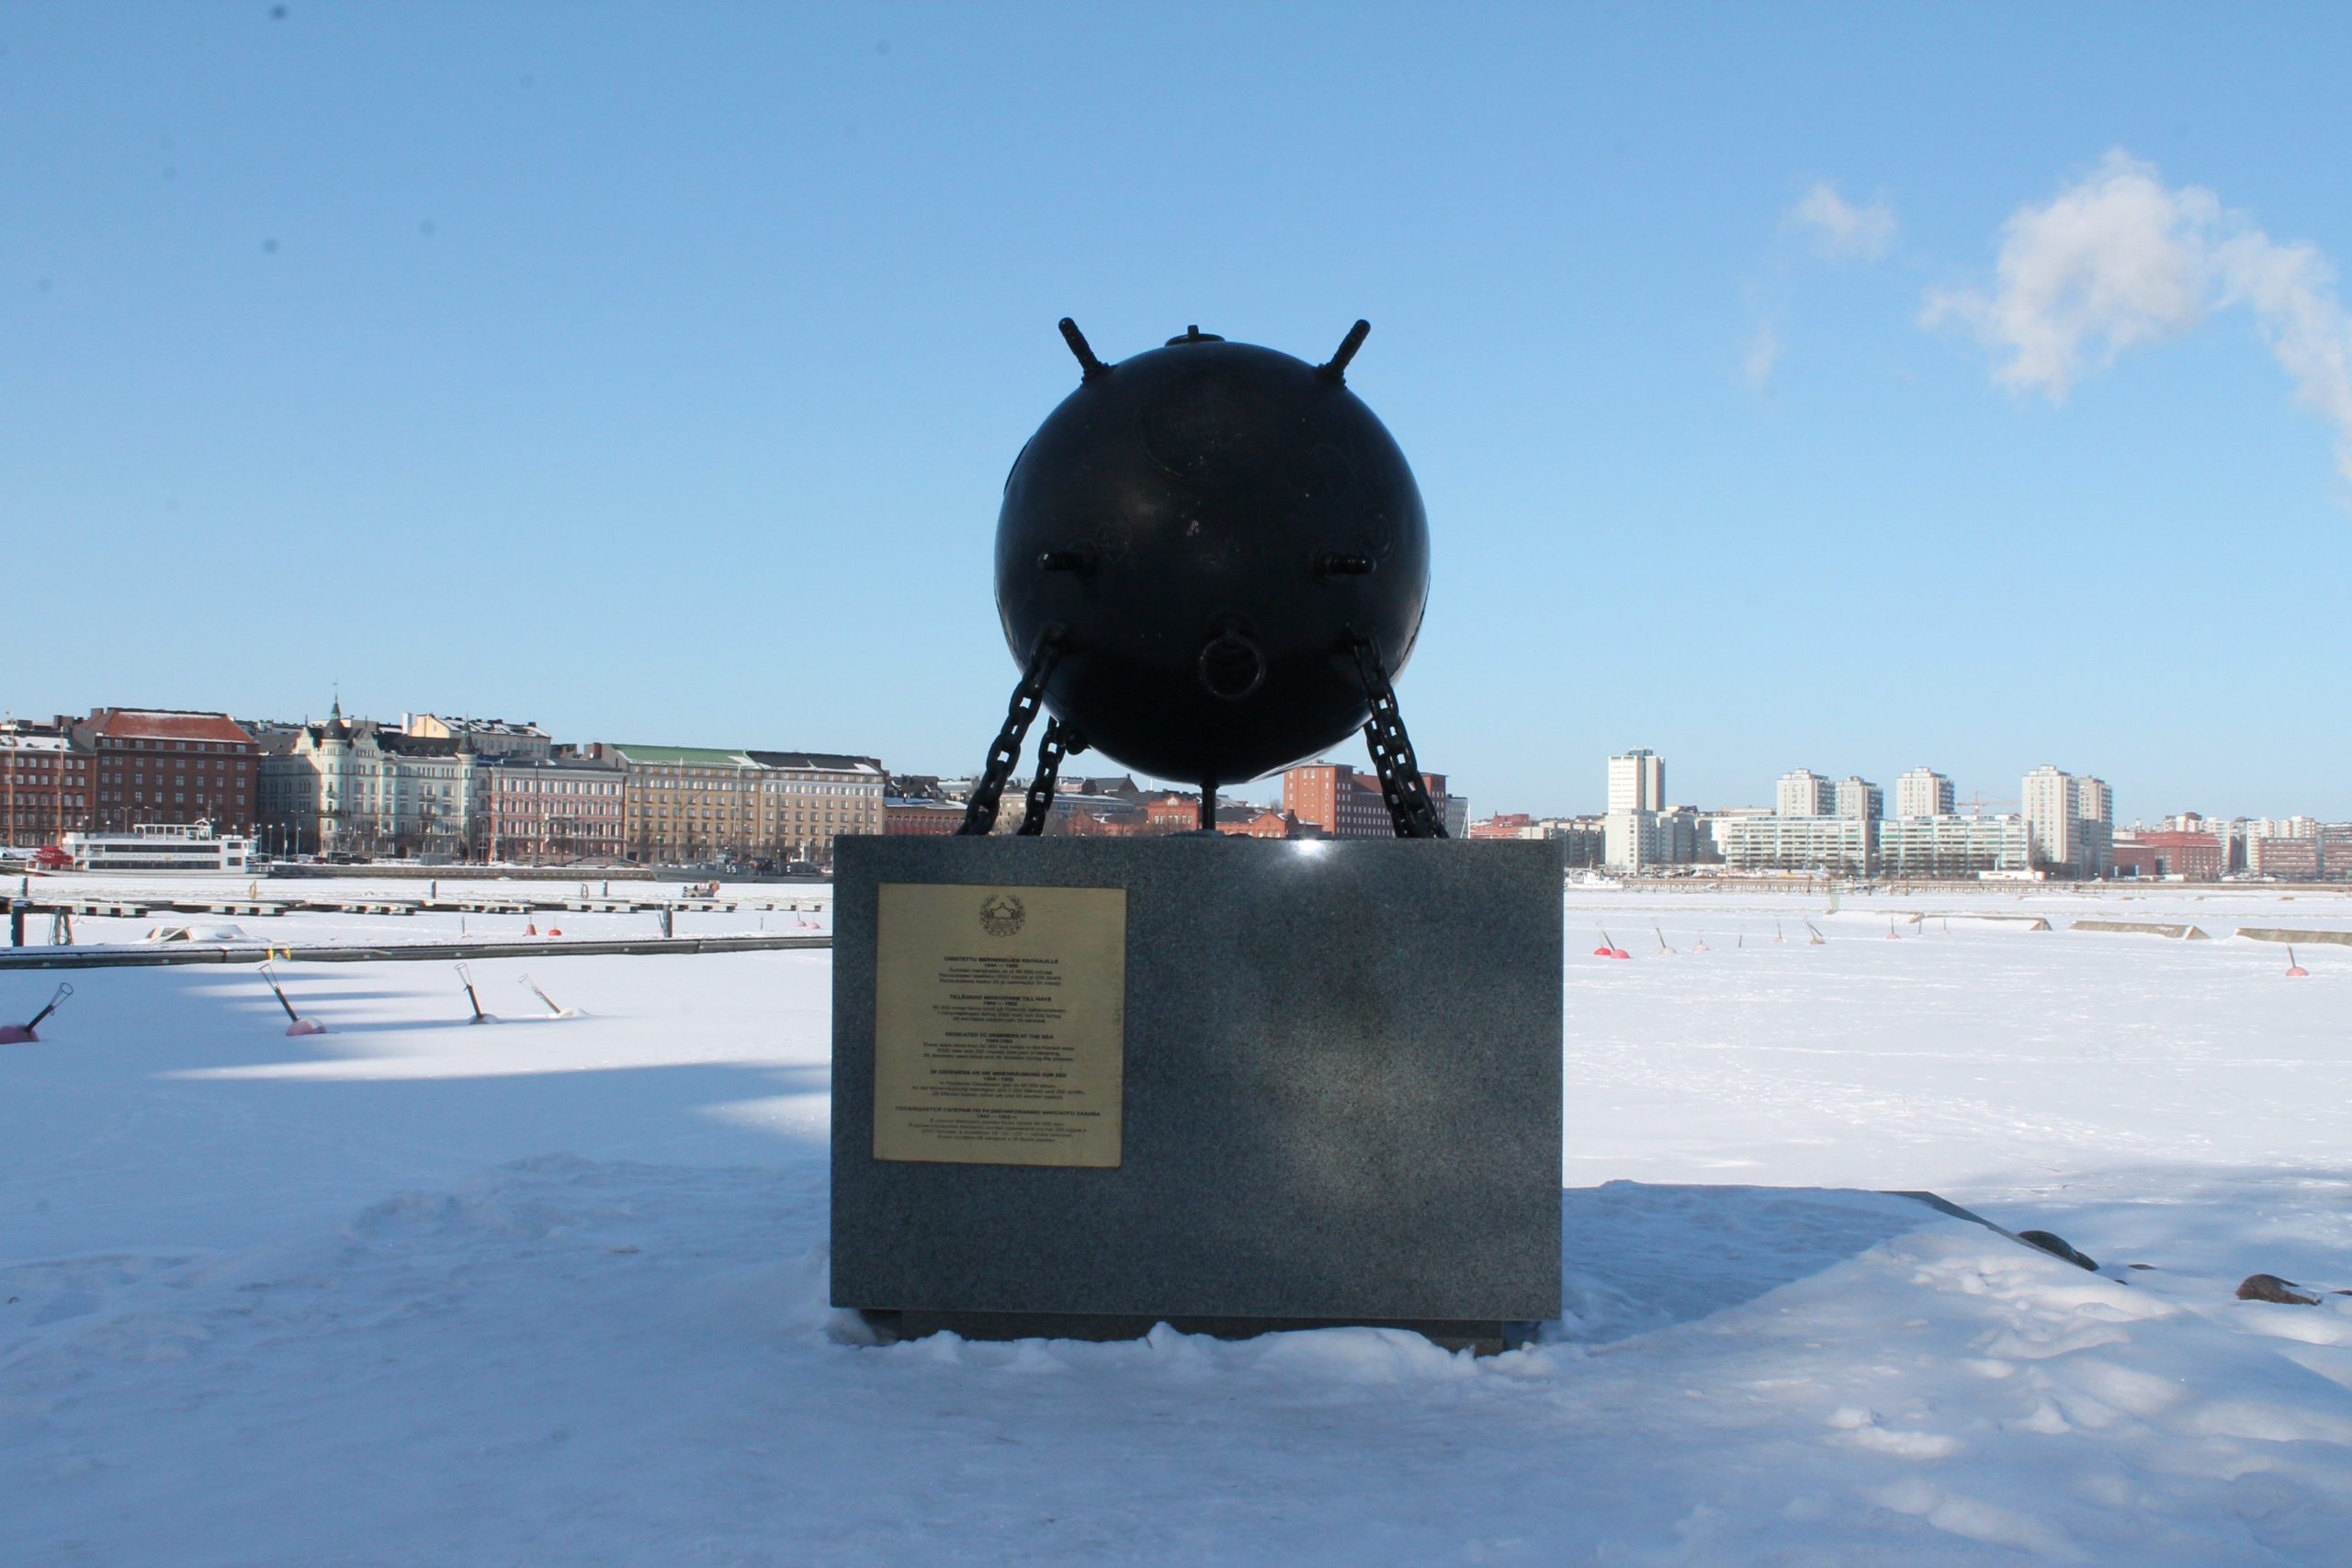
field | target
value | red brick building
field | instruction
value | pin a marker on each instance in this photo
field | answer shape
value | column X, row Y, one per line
column 929, row 818
column 1172, row 813
column 1346, row 804
column 1266, row 823
column 163, row 765
column 2299, row 859
column 2197, row 857
column 1510, row 825
column 47, row 784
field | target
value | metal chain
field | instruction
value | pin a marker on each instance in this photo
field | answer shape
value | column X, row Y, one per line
column 980, row 812
column 1410, row 810
column 1060, row 740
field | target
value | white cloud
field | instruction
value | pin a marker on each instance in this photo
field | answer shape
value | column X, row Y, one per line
column 1763, row 354
column 2119, row 259
column 1839, row 229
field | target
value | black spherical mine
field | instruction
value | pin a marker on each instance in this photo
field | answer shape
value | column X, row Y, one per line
column 1210, row 531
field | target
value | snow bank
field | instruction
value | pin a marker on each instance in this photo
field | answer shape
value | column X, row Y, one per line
column 269, row 1301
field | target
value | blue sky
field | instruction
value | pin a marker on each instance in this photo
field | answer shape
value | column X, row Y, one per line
column 652, row 372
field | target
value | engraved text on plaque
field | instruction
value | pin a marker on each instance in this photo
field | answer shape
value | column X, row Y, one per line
column 1000, row 1030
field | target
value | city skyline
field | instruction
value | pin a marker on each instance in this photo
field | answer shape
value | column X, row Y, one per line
column 1641, row 786
column 659, row 375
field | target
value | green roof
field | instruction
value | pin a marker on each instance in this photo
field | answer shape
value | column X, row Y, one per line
column 687, row 756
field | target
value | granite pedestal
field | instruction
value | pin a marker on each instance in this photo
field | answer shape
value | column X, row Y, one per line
column 1342, row 1100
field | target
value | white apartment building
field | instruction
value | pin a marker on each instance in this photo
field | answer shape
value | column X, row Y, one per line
column 1817, row 841
column 1805, row 794
column 2093, row 802
column 1714, row 827
column 358, row 787
column 2070, row 821
column 1637, row 782
column 1923, row 791
column 1857, row 796
column 1946, row 845
column 2048, row 800
column 1637, row 841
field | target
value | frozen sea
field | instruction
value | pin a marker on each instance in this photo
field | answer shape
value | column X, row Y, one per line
column 554, row 1292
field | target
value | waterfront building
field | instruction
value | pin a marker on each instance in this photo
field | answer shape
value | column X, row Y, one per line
column 556, row 808
column 2335, row 849
column 1787, row 842
column 1946, row 845
column 687, row 805
column 1923, row 791
column 166, row 765
column 1628, row 840
column 48, row 783
column 357, row 787
column 2296, row 858
column 2192, row 856
column 809, row 799
column 1643, row 840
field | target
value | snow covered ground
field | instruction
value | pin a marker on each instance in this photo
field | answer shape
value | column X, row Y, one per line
column 553, row 1291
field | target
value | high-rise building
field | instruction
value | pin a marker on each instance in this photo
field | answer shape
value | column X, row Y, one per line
column 1857, row 796
column 2048, row 797
column 2070, row 821
column 1637, row 781
column 1805, row 793
column 1922, row 791
column 2095, row 824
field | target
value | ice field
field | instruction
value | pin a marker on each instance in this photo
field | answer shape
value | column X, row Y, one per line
column 553, row 1291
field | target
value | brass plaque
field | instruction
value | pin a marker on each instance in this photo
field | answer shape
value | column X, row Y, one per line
column 1000, row 1024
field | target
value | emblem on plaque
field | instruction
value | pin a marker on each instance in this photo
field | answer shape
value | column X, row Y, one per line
column 1003, row 914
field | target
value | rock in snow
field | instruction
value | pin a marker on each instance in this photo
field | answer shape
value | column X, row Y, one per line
column 2270, row 1288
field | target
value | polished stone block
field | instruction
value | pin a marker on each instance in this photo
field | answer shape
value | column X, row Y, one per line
column 1342, row 1097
